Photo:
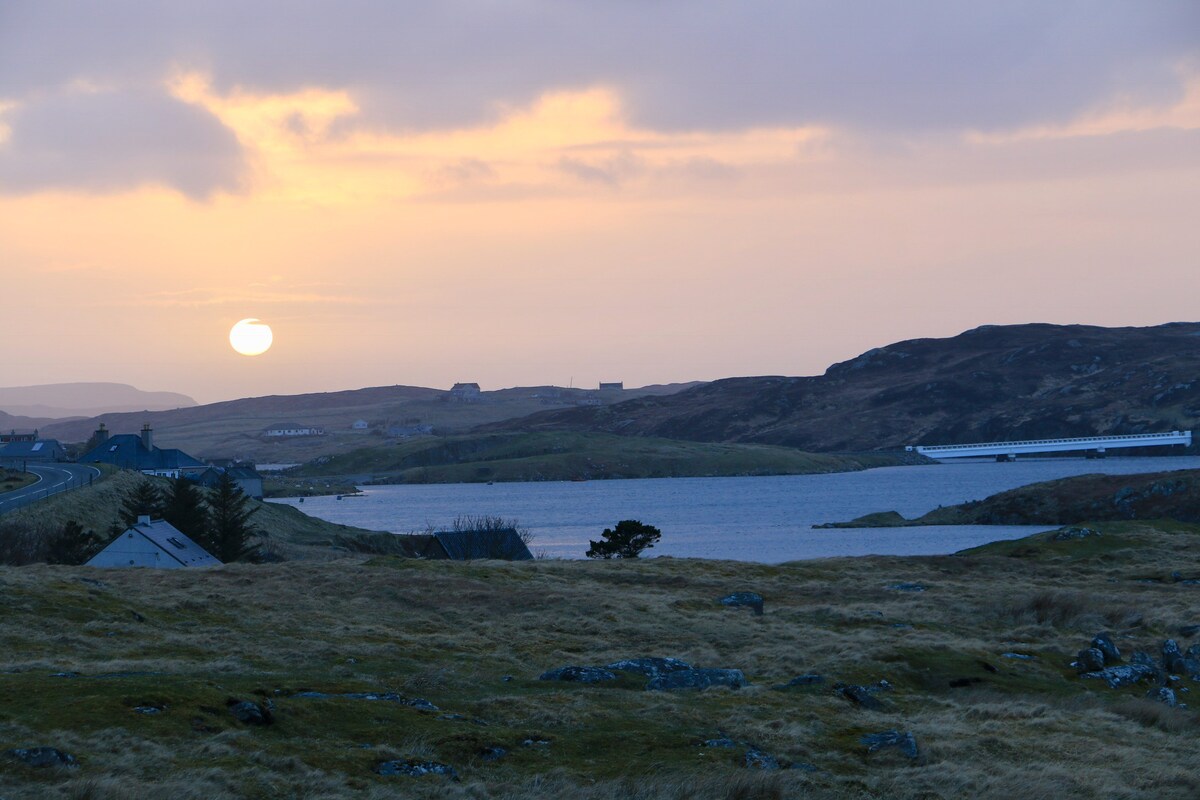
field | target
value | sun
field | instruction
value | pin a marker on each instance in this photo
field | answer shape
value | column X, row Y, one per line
column 251, row 337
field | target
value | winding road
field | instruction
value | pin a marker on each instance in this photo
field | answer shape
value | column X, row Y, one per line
column 52, row 479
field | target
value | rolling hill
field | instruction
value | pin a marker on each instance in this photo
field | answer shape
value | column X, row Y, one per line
column 61, row 400
column 992, row 383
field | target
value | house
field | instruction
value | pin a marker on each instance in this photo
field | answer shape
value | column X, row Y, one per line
column 155, row 544
column 13, row 436
column 293, row 429
column 245, row 476
column 131, row 451
column 465, row 392
column 19, row 453
column 360, row 425
column 504, row 544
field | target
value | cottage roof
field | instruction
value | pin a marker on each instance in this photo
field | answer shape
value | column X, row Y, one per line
column 21, row 449
column 173, row 544
column 465, row 545
column 127, row 450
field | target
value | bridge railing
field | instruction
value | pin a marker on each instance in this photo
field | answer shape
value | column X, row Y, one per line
column 1132, row 437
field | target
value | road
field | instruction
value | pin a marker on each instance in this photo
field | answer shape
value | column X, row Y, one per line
column 52, row 479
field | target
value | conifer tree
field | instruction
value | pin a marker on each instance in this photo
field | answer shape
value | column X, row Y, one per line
column 229, row 529
column 184, row 508
column 143, row 500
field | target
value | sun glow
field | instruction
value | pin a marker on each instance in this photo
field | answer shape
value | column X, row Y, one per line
column 251, row 337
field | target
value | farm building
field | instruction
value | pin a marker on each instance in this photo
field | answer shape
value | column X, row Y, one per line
column 156, row 544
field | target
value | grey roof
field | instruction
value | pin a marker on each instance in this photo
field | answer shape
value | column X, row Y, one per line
column 42, row 448
column 127, row 450
column 177, row 546
column 465, row 545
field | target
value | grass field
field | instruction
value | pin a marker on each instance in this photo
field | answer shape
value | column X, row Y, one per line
column 567, row 456
column 11, row 480
column 986, row 726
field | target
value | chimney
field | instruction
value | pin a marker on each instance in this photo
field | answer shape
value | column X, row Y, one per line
column 147, row 437
column 101, row 434
column 144, row 519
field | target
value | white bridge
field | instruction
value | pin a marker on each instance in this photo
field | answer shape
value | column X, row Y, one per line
column 1091, row 444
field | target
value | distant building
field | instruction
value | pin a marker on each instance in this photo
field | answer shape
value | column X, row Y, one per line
column 293, row 429
column 405, row 431
column 130, row 451
column 504, row 544
column 616, row 386
column 360, row 425
column 245, row 476
column 156, row 544
column 13, row 436
column 17, row 453
column 465, row 392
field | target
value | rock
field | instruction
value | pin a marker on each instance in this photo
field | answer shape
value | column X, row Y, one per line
column 1127, row 675
column 42, row 757
column 136, row 616
column 149, row 709
column 416, row 769
column 1172, row 657
column 64, row 675
column 1188, row 631
column 1089, row 660
column 905, row 742
column 723, row 741
column 532, row 742
column 757, row 759
column 493, row 753
column 1163, row 695
column 807, row 679
column 752, row 599
column 908, row 587
column 1103, row 642
column 578, row 675
column 250, row 713
column 1020, row 656
column 698, row 679
column 650, row 667
column 1067, row 534
column 859, row 695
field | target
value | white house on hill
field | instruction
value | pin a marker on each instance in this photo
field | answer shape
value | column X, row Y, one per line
column 153, row 544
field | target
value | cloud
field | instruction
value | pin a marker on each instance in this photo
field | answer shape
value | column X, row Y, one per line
column 109, row 141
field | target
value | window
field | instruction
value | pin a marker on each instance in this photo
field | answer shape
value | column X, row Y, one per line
column 177, row 543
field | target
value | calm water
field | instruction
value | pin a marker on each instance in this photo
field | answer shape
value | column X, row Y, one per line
column 746, row 519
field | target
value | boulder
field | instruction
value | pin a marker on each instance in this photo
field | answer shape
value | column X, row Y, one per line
column 1067, row 534
column 722, row 741
column 1125, row 675
column 757, row 759
column 905, row 742
column 493, row 753
column 859, row 695
column 1089, row 660
column 1172, row 657
column 807, row 679
column 578, row 675
column 698, row 679
column 650, row 667
column 908, row 587
column 250, row 713
column 1018, row 656
column 751, row 599
column 41, row 757
column 1163, row 695
column 416, row 769
column 1103, row 642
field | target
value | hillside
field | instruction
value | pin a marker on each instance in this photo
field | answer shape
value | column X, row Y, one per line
column 292, row 533
column 989, row 384
column 567, row 456
column 134, row 674
column 61, row 400
column 1083, row 498
column 233, row 428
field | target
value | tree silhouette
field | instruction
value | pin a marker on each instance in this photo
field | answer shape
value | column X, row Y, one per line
column 71, row 544
column 184, row 508
column 229, row 529
column 627, row 540
column 144, row 500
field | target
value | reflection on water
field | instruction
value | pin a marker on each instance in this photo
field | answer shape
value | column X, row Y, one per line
column 766, row 519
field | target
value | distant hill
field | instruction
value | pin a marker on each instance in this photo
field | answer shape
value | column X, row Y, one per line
column 993, row 383
column 9, row 422
column 233, row 429
column 61, row 400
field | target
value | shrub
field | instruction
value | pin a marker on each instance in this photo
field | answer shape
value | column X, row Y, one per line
column 627, row 540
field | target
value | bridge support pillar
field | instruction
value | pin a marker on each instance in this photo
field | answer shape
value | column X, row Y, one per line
column 1006, row 457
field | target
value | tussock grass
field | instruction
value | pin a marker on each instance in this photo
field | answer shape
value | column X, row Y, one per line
column 451, row 632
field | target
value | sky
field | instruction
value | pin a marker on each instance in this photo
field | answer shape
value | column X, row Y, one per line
column 563, row 192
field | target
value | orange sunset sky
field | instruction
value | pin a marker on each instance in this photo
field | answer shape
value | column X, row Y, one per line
column 539, row 192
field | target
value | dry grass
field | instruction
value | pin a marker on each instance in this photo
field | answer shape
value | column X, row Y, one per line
column 450, row 632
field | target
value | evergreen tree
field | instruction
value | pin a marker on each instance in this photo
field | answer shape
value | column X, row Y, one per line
column 229, row 529
column 71, row 545
column 627, row 540
column 184, row 508
column 143, row 500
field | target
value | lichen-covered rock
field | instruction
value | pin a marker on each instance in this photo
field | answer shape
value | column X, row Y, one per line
column 493, row 753
column 751, row 599
column 578, row 675
column 416, row 769
column 859, row 695
column 807, row 679
column 908, row 587
column 1103, row 642
column 698, row 679
column 757, row 759
column 905, row 742
column 41, row 757
column 1172, row 657
column 1089, row 660
column 250, row 713
column 1163, row 695
column 1124, row 675
column 650, row 667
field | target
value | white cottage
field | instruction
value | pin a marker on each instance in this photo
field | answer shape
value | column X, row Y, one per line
column 153, row 544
